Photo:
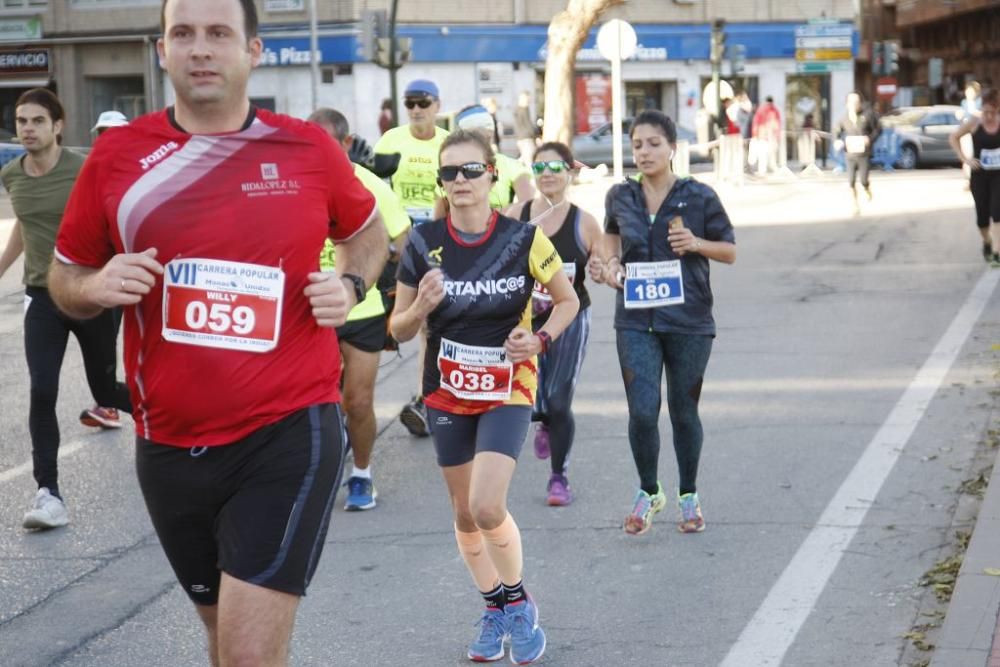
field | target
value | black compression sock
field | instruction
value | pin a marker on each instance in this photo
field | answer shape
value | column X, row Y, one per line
column 495, row 598
column 514, row 593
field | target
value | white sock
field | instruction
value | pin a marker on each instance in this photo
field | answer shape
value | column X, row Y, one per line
column 362, row 472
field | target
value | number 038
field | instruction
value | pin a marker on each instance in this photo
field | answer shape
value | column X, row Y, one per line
column 472, row 381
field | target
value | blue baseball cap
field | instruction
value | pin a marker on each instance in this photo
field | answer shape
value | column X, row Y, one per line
column 422, row 88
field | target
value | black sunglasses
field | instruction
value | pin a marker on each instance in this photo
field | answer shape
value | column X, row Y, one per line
column 422, row 103
column 470, row 170
column 555, row 166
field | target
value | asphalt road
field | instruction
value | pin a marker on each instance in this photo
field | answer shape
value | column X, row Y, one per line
column 840, row 340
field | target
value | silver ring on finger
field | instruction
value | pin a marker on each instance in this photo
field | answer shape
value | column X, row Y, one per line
column 123, row 285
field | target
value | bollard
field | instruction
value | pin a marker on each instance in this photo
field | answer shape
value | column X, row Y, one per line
column 807, row 152
column 681, row 164
column 731, row 159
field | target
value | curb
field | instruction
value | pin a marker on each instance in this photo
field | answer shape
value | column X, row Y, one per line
column 970, row 623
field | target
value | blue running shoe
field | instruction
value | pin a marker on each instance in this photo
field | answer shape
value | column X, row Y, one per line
column 361, row 494
column 488, row 646
column 527, row 641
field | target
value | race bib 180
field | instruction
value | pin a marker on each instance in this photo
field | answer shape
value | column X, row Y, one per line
column 475, row 373
column 228, row 305
column 653, row 284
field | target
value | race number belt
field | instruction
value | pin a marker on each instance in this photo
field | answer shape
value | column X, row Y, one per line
column 540, row 293
column 653, row 284
column 227, row 305
column 855, row 144
column 475, row 373
column 990, row 158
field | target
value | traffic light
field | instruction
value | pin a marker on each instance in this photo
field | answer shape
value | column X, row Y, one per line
column 718, row 46
column 878, row 58
column 373, row 26
column 891, row 56
column 737, row 58
column 383, row 46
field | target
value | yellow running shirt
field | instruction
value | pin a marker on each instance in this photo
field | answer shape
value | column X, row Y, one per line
column 396, row 222
column 415, row 181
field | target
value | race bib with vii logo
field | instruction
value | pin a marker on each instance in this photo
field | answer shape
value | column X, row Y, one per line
column 226, row 305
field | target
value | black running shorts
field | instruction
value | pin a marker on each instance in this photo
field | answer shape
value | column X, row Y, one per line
column 257, row 509
column 368, row 335
column 458, row 438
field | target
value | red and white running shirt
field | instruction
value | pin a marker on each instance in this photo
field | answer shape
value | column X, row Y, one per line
column 226, row 342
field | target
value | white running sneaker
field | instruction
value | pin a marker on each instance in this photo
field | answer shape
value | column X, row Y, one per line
column 46, row 511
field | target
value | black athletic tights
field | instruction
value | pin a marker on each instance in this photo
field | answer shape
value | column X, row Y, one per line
column 46, row 332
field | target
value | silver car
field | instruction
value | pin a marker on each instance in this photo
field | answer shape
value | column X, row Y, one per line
column 923, row 134
column 596, row 147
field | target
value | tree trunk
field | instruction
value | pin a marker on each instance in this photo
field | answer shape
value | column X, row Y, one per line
column 567, row 33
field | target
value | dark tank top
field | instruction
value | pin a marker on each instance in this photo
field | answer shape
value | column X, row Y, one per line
column 983, row 140
column 568, row 242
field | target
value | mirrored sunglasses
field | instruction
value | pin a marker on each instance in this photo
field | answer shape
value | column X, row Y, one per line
column 555, row 166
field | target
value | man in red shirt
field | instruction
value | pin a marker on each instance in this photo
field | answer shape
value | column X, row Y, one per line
column 206, row 221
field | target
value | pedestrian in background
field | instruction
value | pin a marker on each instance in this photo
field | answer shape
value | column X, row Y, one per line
column 385, row 119
column 855, row 134
column 971, row 108
column 525, row 129
column 766, row 131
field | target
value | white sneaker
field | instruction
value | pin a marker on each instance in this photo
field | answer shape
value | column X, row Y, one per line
column 46, row 511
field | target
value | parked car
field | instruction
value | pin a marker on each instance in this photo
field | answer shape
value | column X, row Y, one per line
column 923, row 134
column 596, row 147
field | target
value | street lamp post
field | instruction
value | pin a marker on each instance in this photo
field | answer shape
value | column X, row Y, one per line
column 314, row 57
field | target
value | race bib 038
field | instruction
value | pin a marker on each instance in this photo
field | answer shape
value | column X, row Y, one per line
column 475, row 373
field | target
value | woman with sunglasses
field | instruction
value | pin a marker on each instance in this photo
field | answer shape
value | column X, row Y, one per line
column 660, row 233
column 575, row 234
column 470, row 277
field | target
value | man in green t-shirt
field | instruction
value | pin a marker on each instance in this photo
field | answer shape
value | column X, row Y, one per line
column 415, row 183
column 39, row 184
column 363, row 336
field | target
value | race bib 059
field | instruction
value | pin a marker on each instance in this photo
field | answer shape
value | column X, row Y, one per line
column 227, row 305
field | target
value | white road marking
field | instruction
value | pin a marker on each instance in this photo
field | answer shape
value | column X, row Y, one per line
column 769, row 634
column 65, row 451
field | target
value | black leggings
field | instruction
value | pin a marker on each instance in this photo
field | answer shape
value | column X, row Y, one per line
column 645, row 357
column 985, row 188
column 46, row 332
column 858, row 164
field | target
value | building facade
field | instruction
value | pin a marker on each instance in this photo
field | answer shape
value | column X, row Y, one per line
column 942, row 45
column 100, row 54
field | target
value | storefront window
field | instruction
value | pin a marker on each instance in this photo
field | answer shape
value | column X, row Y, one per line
column 116, row 93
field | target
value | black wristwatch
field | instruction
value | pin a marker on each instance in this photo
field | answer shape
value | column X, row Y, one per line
column 359, row 286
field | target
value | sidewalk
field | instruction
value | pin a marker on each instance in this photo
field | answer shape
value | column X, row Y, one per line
column 971, row 633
